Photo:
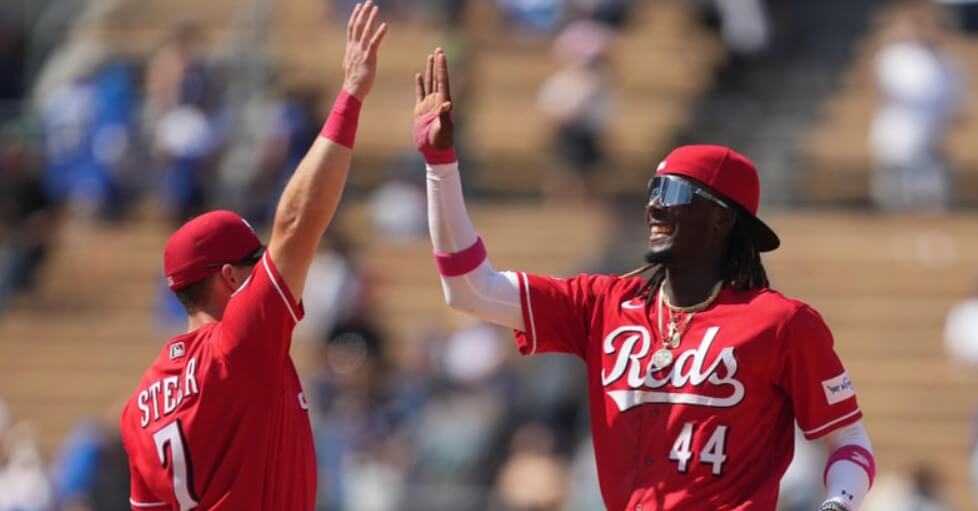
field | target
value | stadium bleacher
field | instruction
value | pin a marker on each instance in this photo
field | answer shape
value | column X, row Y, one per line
column 836, row 151
column 883, row 283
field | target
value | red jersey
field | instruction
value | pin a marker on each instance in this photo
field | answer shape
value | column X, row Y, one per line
column 219, row 421
column 712, row 431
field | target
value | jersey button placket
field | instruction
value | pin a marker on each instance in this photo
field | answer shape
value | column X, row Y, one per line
column 651, row 420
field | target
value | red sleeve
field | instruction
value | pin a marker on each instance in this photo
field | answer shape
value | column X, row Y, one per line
column 258, row 322
column 813, row 376
column 556, row 314
column 140, row 496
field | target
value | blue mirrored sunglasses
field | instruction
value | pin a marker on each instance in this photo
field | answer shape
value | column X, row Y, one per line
column 675, row 191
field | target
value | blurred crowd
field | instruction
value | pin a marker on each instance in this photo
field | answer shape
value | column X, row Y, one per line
column 921, row 88
column 440, row 420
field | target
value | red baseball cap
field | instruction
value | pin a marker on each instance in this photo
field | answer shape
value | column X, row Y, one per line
column 201, row 246
column 731, row 175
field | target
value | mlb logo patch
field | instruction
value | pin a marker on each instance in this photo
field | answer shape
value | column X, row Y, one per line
column 838, row 389
column 177, row 350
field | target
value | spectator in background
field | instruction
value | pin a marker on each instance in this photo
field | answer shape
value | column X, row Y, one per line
column 961, row 330
column 920, row 89
column 578, row 101
column 335, row 294
column 533, row 17
column 291, row 125
column 185, row 149
column 918, row 491
column 926, row 490
column 176, row 75
column 458, row 433
column 178, row 121
column 399, row 205
column 534, row 477
column 27, row 218
column 961, row 341
column 349, row 419
column 583, row 493
column 745, row 26
column 23, row 484
column 91, row 471
column 86, row 103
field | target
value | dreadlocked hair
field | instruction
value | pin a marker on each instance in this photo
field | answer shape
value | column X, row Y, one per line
column 743, row 268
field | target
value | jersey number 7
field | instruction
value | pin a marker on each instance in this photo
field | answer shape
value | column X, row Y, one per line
column 183, row 487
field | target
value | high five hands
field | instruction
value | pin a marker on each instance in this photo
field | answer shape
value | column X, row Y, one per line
column 433, row 122
column 363, row 38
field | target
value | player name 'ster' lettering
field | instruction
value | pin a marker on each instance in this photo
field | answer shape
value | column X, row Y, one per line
column 172, row 389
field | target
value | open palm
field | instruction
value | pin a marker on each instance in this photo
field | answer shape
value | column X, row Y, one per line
column 433, row 104
column 363, row 38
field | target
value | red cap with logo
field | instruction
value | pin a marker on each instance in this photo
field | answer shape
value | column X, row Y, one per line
column 731, row 175
column 201, row 246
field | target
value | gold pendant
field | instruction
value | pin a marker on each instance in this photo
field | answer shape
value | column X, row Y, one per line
column 674, row 340
column 672, row 336
column 661, row 359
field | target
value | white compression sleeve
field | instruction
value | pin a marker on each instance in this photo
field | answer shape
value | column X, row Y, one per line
column 483, row 292
column 847, row 482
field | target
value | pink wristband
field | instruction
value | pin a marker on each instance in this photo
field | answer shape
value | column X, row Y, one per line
column 460, row 263
column 854, row 454
column 341, row 126
column 432, row 155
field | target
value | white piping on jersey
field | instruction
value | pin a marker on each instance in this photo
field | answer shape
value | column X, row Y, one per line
column 242, row 286
column 831, row 423
column 271, row 277
column 146, row 504
column 529, row 310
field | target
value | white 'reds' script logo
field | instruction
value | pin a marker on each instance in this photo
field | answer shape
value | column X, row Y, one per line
column 633, row 343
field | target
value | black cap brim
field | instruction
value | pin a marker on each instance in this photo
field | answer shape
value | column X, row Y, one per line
column 765, row 239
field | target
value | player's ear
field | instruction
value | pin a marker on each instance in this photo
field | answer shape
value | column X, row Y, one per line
column 227, row 275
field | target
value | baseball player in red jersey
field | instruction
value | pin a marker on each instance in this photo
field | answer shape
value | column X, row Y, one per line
column 697, row 374
column 219, row 420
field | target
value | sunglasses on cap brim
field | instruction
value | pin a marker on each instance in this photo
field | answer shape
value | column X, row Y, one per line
column 675, row 191
column 249, row 260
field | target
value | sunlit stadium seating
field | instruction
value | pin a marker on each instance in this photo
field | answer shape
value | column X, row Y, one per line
column 837, row 150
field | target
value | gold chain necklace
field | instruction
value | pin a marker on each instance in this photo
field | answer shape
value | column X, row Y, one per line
column 695, row 307
column 674, row 336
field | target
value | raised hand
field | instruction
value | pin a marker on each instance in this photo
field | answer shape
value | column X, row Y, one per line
column 433, row 124
column 363, row 38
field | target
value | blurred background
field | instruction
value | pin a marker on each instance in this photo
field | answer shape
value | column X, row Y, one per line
column 119, row 119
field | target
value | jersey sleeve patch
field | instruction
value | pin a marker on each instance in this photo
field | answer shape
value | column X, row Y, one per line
column 838, row 389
